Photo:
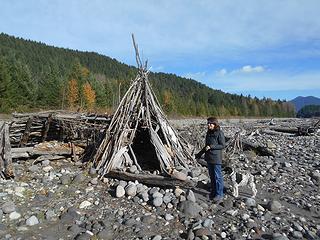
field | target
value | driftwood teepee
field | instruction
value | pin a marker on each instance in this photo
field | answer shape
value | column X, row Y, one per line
column 140, row 134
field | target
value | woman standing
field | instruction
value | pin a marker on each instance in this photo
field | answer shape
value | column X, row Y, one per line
column 215, row 142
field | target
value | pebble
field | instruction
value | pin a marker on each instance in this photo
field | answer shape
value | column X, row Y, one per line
column 133, row 169
column 131, row 190
column 250, row 202
column 274, row 206
column 79, row 178
column 232, row 212
column 14, row 215
column 279, row 236
column 148, row 219
column 8, row 207
column 47, row 169
column 157, row 202
column 65, row 179
column 189, row 208
column 157, row 195
column 195, row 172
column 50, row 214
column 245, row 216
column 167, row 199
column 123, row 183
column 120, row 192
column 202, row 232
column 168, row 217
column 191, row 196
column 178, row 192
column 297, row 226
column 94, row 181
column 316, row 175
column 33, row 220
column 157, row 237
column 85, row 204
column 208, row 223
column 45, row 163
column 297, row 235
column 33, row 168
column 19, row 190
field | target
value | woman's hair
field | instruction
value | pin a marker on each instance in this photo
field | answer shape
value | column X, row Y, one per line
column 214, row 120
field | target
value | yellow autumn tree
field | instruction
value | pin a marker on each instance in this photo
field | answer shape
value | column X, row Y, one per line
column 73, row 93
column 89, row 95
column 167, row 101
column 85, row 72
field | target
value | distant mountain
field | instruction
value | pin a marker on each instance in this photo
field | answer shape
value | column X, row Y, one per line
column 300, row 102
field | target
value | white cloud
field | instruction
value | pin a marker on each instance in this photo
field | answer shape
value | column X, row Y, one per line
column 250, row 69
column 222, row 72
column 245, row 69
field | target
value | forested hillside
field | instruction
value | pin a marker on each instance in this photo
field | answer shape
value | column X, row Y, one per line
column 309, row 111
column 34, row 75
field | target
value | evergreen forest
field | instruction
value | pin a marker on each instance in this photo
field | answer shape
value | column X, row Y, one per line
column 309, row 111
column 36, row 76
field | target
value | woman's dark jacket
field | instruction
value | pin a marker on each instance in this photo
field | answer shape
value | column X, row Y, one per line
column 216, row 140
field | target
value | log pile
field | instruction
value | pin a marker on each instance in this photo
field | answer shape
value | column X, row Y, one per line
column 140, row 134
column 303, row 130
column 30, row 129
column 48, row 136
column 6, row 167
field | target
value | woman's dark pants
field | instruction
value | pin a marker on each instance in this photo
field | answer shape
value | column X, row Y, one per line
column 216, row 178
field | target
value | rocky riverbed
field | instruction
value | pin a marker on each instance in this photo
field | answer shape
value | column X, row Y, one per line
column 62, row 200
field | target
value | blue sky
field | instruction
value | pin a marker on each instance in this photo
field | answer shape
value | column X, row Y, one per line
column 265, row 48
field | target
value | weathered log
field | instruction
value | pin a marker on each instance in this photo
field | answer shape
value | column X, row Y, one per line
column 46, row 127
column 300, row 130
column 291, row 130
column 260, row 150
column 152, row 180
column 6, row 166
column 274, row 133
column 48, row 149
column 48, row 157
column 25, row 136
column 20, row 155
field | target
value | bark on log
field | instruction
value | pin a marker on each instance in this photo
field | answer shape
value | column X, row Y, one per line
column 152, row 180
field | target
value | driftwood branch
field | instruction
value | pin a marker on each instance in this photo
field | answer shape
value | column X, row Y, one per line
column 152, row 180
